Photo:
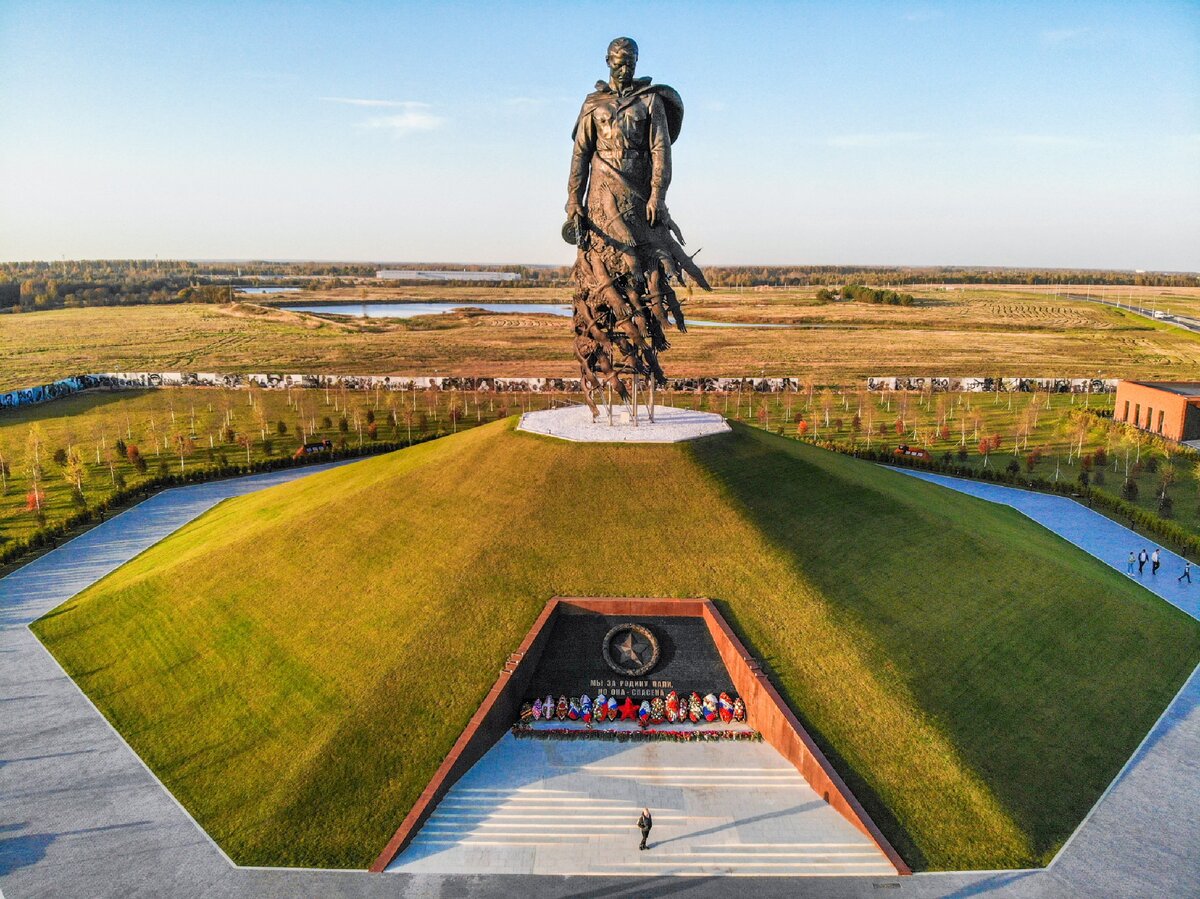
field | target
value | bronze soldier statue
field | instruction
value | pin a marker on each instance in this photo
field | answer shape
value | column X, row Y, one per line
column 630, row 251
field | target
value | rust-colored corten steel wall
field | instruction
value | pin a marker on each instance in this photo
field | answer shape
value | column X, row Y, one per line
column 1157, row 410
column 779, row 726
column 490, row 722
column 765, row 707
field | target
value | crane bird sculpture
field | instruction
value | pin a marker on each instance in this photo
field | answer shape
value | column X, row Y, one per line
column 630, row 253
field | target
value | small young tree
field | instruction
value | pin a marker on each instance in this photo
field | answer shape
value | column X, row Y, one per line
column 245, row 441
column 1167, row 475
column 110, row 460
column 183, row 445
column 136, row 459
column 75, row 473
column 35, row 502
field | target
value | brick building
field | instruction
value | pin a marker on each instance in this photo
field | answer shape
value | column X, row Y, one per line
column 1167, row 408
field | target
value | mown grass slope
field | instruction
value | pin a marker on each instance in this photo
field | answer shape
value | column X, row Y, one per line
column 295, row 664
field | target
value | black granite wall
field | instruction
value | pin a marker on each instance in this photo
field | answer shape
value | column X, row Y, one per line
column 572, row 663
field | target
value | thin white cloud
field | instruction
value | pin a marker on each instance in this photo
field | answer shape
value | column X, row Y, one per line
column 414, row 117
column 525, row 102
column 878, row 139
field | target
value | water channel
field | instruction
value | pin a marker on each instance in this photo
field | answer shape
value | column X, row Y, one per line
column 411, row 310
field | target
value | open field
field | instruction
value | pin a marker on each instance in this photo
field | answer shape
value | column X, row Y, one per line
column 284, row 663
column 953, row 331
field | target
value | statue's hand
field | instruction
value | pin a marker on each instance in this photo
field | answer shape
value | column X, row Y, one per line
column 656, row 212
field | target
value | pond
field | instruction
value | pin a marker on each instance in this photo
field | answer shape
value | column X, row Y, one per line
column 411, row 310
column 265, row 290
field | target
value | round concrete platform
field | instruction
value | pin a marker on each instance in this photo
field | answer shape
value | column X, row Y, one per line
column 670, row 425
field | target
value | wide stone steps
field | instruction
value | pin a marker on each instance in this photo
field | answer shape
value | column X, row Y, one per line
column 551, row 807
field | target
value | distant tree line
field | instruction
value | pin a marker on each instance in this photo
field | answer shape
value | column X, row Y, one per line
column 833, row 275
column 34, row 286
column 36, row 295
column 860, row 293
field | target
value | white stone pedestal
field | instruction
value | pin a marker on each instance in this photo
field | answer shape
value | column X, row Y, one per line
column 670, row 425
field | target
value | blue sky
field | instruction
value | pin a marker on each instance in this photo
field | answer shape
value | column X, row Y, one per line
column 1040, row 134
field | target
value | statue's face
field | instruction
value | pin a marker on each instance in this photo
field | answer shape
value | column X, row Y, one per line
column 621, row 65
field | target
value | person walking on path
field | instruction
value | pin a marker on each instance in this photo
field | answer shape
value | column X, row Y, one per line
column 1154, row 563
column 1132, row 559
column 645, row 822
column 1142, row 557
column 1187, row 572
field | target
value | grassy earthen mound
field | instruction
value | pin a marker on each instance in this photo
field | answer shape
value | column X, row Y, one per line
column 296, row 663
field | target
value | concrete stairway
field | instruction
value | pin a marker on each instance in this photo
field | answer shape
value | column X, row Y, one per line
column 551, row 807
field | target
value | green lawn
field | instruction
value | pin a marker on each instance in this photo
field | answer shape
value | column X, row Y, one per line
column 295, row 664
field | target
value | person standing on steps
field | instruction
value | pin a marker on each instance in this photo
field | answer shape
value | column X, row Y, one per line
column 644, row 823
column 1187, row 572
column 1142, row 557
column 1132, row 559
column 1154, row 563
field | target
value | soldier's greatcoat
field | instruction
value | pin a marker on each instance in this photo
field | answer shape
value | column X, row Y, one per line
column 625, row 267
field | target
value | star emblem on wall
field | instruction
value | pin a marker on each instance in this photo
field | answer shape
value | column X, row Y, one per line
column 630, row 649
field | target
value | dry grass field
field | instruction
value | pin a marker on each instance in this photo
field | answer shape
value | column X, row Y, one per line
column 958, row 331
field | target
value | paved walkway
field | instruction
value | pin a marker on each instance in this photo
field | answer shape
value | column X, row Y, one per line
column 1143, row 837
column 533, row 806
column 80, row 816
column 1090, row 531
